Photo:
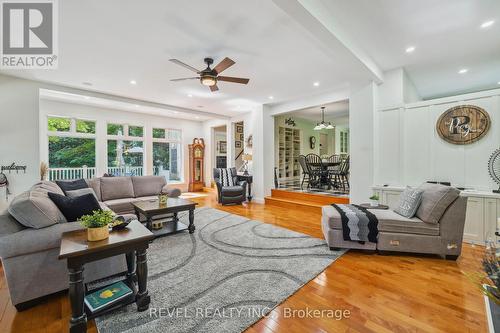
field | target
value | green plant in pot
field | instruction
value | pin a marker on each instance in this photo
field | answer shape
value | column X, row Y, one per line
column 374, row 200
column 97, row 224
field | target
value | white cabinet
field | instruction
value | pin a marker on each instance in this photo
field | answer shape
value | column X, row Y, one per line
column 474, row 221
column 481, row 220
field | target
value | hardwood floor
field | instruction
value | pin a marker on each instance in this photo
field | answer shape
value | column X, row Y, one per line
column 394, row 293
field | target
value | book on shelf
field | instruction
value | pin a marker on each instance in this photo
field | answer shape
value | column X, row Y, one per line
column 104, row 297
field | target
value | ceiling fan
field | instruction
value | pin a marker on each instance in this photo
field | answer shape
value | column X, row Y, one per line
column 210, row 76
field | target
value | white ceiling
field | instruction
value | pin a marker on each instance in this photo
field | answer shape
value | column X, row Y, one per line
column 332, row 111
column 109, row 43
column 446, row 34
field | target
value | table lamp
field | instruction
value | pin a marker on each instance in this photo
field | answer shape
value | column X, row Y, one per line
column 246, row 158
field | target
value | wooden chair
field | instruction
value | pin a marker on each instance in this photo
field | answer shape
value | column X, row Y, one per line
column 306, row 172
column 333, row 170
column 316, row 170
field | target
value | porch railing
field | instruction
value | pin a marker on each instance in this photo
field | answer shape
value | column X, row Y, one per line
column 71, row 173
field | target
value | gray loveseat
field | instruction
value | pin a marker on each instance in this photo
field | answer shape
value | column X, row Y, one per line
column 30, row 235
column 437, row 227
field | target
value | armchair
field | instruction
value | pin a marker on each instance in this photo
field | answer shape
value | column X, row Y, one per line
column 227, row 193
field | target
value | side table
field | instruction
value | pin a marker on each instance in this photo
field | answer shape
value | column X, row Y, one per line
column 249, row 179
column 132, row 241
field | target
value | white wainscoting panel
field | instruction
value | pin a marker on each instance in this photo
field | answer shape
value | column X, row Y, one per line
column 409, row 151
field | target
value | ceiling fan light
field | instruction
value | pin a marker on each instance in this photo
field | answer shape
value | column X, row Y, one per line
column 208, row 81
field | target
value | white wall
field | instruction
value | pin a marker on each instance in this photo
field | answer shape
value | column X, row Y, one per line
column 102, row 116
column 18, row 132
column 411, row 152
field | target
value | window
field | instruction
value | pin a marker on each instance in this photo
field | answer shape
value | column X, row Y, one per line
column 55, row 124
column 114, row 129
column 167, row 150
column 71, row 148
column 125, row 152
column 135, row 131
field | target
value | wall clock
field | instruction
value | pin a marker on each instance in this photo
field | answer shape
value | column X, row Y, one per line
column 312, row 142
column 464, row 124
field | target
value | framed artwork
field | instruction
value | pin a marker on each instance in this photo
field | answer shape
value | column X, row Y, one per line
column 237, row 144
column 239, row 129
column 222, row 147
column 242, row 138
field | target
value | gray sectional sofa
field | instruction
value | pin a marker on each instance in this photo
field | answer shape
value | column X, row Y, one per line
column 30, row 235
column 437, row 227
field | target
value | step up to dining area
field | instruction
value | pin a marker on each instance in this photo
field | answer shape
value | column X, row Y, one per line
column 303, row 200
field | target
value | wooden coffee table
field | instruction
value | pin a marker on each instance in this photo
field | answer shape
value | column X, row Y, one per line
column 132, row 241
column 152, row 208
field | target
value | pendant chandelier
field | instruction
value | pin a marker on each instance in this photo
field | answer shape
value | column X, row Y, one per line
column 323, row 124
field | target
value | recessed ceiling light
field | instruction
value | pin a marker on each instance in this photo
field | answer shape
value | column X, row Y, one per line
column 134, row 82
column 316, row 84
column 87, row 97
column 271, row 97
column 498, row 82
column 176, row 112
column 463, row 71
column 136, row 105
column 410, row 49
column 197, row 117
column 189, row 95
column 487, row 24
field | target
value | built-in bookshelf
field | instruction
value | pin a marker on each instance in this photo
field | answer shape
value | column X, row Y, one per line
column 289, row 146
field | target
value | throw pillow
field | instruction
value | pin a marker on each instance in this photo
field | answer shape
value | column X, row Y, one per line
column 409, row 201
column 80, row 192
column 226, row 177
column 435, row 200
column 70, row 185
column 76, row 207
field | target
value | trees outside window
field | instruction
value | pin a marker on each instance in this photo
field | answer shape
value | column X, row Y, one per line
column 166, row 153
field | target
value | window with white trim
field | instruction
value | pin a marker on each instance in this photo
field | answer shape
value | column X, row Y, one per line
column 125, row 150
column 167, row 153
column 71, row 147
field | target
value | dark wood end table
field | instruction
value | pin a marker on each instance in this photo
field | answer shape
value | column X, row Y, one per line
column 152, row 208
column 249, row 179
column 369, row 206
column 132, row 241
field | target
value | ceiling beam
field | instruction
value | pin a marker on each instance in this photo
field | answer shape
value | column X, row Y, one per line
column 315, row 18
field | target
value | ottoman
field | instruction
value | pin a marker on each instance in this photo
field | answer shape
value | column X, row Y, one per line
column 331, row 225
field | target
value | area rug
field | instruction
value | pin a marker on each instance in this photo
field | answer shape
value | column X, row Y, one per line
column 223, row 278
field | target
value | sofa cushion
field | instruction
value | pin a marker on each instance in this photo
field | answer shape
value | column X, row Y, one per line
column 121, row 206
column 95, row 184
column 47, row 186
column 148, row 185
column 9, row 225
column 409, row 201
column 435, row 200
column 116, row 188
column 30, row 240
column 390, row 221
column 34, row 209
column 232, row 191
column 80, row 192
column 69, row 185
column 75, row 207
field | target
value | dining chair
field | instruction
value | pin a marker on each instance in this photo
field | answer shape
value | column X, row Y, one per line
column 316, row 169
column 344, row 173
column 306, row 172
column 333, row 166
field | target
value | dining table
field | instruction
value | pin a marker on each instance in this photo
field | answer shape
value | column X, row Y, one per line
column 325, row 177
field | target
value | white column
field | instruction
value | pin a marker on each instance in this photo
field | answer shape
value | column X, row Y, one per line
column 361, row 137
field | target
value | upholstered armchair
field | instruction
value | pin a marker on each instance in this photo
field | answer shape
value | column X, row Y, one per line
column 230, row 190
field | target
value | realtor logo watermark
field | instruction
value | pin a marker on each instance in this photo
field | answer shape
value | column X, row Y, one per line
column 29, row 34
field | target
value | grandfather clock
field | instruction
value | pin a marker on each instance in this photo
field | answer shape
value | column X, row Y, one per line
column 196, row 165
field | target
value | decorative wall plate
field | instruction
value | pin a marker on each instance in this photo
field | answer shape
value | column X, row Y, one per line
column 464, row 124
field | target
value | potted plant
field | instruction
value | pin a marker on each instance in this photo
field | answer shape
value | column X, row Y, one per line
column 374, row 200
column 97, row 224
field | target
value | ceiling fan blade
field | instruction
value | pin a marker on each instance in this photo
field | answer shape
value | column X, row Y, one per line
column 223, row 65
column 233, row 79
column 186, row 78
column 214, row 88
column 180, row 63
